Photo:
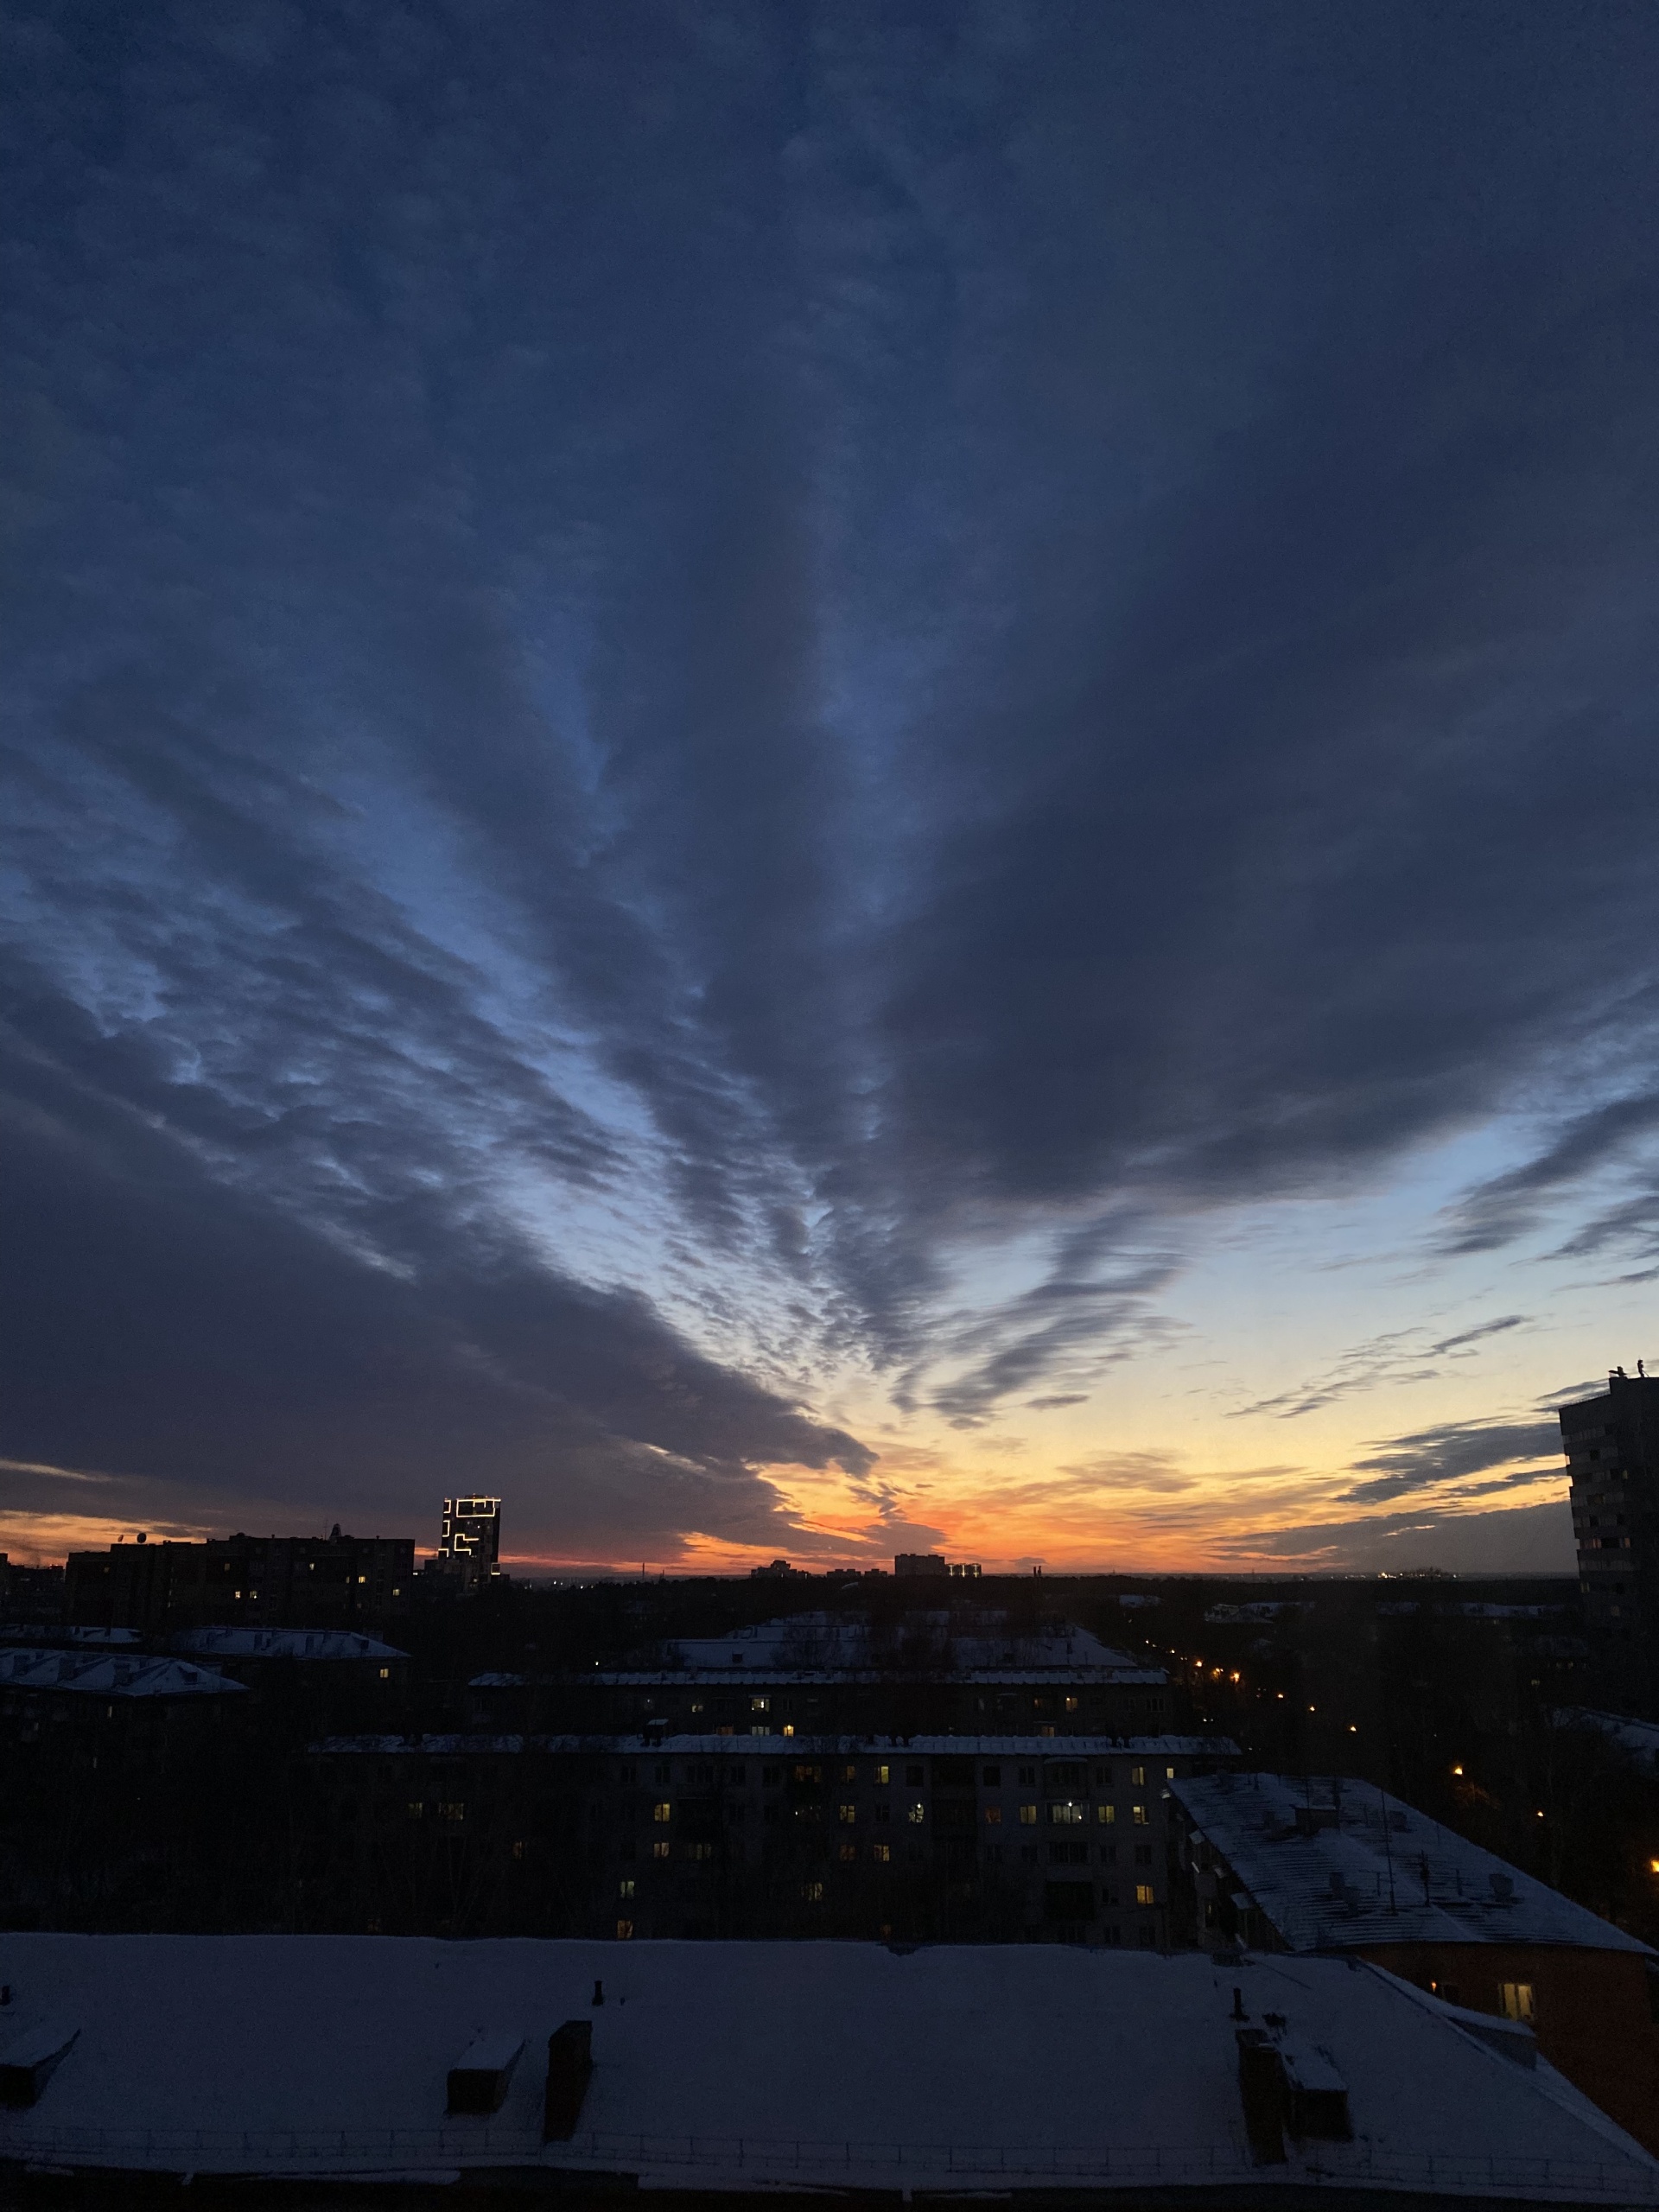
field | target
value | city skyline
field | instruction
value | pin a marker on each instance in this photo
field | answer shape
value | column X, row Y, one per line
column 830, row 785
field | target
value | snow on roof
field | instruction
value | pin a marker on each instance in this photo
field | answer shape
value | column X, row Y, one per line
column 111, row 1675
column 1374, row 1870
column 839, row 1642
column 283, row 1644
column 801, row 1747
column 735, row 2065
column 110, row 1639
column 761, row 1677
column 1640, row 1738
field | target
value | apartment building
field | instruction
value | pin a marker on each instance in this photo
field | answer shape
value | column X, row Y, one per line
column 969, row 1838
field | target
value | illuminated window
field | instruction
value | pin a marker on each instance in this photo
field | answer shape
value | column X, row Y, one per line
column 414, row 1809
column 760, row 1704
column 916, row 1815
column 881, row 1852
column 1027, row 1816
column 1046, row 1732
column 1138, row 1777
column 883, row 1775
column 994, row 1816
column 1143, row 1893
column 849, row 1853
column 385, row 1674
column 809, row 1774
column 813, row 1892
column 697, row 1705
column 624, row 1889
column 849, row 1774
column 1065, row 1814
column 846, row 1815
column 1169, row 1774
column 1106, row 1814
column 1514, row 1999
column 454, row 1814
column 659, row 1850
column 788, row 1727
column 1138, row 1814
column 623, row 1930
column 663, row 1812
column 1071, row 1704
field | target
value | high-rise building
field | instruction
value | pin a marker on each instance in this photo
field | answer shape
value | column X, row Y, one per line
column 1612, row 1443
column 469, row 1543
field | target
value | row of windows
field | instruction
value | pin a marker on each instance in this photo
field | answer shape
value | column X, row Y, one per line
column 1068, row 1775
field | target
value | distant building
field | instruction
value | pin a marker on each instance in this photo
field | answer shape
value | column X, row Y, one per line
column 109, row 1709
column 1282, row 1864
column 333, row 1581
column 1612, row 1443
column 934, row 1672
column 469, row 1541
column 939, row 1837
column 910, row 1565
column 287, row 2067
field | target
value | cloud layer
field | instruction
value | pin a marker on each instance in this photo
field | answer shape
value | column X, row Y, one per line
column 705, row 701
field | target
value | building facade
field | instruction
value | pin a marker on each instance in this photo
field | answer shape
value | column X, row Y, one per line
column 1612, row 1443
column 945, row 1838
column 469, row 1540
column 333, row 1581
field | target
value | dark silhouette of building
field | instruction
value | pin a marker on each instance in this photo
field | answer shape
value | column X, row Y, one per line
column 1611, row 1444
column 333, row 1581
column 952, row 1837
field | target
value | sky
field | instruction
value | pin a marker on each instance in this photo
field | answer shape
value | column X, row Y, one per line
column 815, row 780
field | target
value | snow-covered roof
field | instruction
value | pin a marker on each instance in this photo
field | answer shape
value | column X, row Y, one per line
column 78, row 1634
column 801, row 1747
column 734, row 2066
column 1339, row 1866
column 760, row 1677
column 839, row 1642
column 1640, row 1738
column 108, row 1674
column 331, row 1644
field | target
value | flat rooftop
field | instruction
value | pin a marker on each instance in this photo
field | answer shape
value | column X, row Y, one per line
column 752, row 2066
column 1373, row 1869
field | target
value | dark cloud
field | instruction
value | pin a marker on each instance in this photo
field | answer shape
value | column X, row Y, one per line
column 1454, row 1451
column 668, row 666
column 1523, row 1540
column 1396, row 1355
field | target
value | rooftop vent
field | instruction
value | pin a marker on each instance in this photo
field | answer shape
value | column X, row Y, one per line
column 480, row 2077
column 569, row 2063
column 28, row 2059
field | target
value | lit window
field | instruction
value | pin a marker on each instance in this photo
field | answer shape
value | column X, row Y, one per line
column 663, row 1812
column 813, row 1892
column 1071, row 1704
column 1046, row 1732
column 454, row 1814
column 1065, row 1816
column 1138, row 1814
column 1106, row 1814
column 849, row 1774
column 659, row 1850
column 385, row 1674
column 414, row 1809
column 994, row 1816
column 849, row 1853
column 916, row 1815
column 623, row 1930
column 1027, row 1816
column 846, row 1815
column 1138, row 1777
column 760, row 1704
column 788, row 1727
column 1514, row 1999
column 626, row 1889
column 883, row 1775
column 881, row 1852
column 1143, row 1893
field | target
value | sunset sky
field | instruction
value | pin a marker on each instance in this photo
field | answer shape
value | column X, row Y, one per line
column 817, row 780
